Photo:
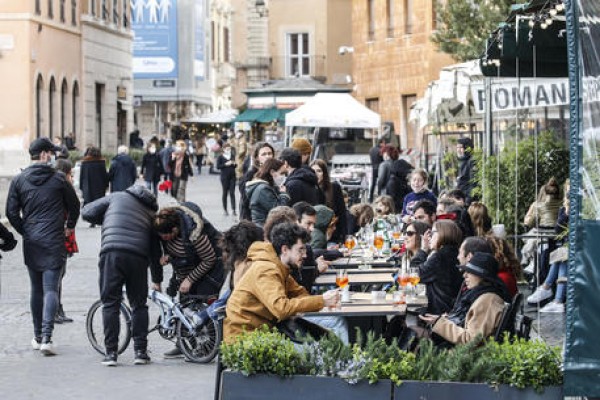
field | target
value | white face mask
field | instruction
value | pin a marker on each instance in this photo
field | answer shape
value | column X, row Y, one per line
column 177, row 148
column 279, row 180
column 52, row 161
column 152, row 150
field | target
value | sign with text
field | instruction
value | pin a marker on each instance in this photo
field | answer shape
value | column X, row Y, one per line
column 515, row 94
column 199, row 45
column 154, row 23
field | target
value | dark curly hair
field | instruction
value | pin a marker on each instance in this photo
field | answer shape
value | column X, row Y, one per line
column 237, row 240
column 166, row 219
column 287, row 234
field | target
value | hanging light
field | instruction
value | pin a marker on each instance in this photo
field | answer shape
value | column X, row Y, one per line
column 543, row 25
column 559, row 7
column 531, row 23
column 549, row 21
column 553, row 12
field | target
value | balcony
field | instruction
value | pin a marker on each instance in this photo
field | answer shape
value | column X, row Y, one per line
column 224, row 74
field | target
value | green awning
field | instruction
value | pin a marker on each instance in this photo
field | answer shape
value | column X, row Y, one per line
column 250, row 115
column 263, row 115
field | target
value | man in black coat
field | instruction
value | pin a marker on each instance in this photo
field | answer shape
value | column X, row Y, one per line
column 301, row 182
column 122, row 172
column 466, row 167
column 376, row 159
column 43, row 207
column 128, row 246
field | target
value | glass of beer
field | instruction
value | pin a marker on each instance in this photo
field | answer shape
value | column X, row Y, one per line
column 350, row 242
column 341, row 279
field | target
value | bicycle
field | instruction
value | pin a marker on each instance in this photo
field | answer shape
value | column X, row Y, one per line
column 199, row 342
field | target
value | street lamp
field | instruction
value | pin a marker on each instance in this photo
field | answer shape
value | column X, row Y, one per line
column 261, row 8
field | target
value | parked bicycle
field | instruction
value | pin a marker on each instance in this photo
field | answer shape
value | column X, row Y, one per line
column 198, row 338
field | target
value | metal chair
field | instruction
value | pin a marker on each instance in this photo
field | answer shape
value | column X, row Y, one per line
column 509, row 316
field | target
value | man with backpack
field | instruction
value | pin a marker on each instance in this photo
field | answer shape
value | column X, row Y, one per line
column 189, row 244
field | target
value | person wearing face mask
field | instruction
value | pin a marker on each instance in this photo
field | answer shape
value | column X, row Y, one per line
column 151, row 168
column 266, row 190
column 227, row 165
column 262, row 152
column 181, row 169
column 43, row 207
column 418, row 184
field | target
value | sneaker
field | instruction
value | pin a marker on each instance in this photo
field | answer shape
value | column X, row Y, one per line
column 141, row 357
column 553, row 307
column 47, row 347
column 539, row 295
column 530, row 269
column 174, row 353
column 36, row 343
column 110, row 360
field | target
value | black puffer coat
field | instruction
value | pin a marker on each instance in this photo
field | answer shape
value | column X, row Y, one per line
column 263, row 198
column 398, row 185
column 301, row 185
column 126, row 219
column 40, row 203
column 442, row 279
column 93, row 179
column 122, row 173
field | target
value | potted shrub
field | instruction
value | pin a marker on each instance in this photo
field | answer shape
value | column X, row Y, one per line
column 265, row 365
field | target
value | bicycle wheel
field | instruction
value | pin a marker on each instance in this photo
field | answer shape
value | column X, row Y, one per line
column 95, row 328
column 200, row 345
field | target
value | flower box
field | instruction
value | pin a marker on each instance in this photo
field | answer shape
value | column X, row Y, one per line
column 235, row 386
column 416, row 390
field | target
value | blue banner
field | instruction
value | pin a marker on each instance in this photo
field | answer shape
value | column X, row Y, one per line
column 199, row 45
column 154, row 23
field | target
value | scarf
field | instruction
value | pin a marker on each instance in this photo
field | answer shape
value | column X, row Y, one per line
column 467, row 298
column 179, row 164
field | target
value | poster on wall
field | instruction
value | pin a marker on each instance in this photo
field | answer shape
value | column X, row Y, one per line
column 154, row 23
column 199, row 45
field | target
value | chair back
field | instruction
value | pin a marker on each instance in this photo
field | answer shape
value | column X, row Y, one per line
column 509, row 314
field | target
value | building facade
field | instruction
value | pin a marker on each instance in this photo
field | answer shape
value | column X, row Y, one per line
column 172, row 76
column 40, row 76
column 106, row 45
column 394, row 59
column 223, row 72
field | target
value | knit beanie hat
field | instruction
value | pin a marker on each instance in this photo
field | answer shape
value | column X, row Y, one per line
column 302, row 145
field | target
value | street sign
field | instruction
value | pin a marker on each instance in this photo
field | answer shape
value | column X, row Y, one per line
column 163, row 83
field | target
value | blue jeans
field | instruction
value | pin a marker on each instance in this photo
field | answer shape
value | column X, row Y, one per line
column 557, row 270
column 44, row 300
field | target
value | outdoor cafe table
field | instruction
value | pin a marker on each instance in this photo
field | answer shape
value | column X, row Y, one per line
column 370, row 278
column 382, row 270
column 355, row 262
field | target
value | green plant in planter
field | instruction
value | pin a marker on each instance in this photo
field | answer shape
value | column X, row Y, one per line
column 522, row 363
column 262, row 351
column 496, row 175
column 383, row 361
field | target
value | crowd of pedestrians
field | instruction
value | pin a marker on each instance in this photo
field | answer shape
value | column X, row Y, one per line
column 292, row 214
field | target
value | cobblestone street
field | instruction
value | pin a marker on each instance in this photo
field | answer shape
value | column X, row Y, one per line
column 76, row 373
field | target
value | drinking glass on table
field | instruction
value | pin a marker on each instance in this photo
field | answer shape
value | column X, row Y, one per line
column 378, row 241
column 350, row 242
column 341, row 279
column 403, row 279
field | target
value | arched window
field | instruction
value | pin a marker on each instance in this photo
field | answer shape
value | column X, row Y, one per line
column 39, row 87
column 64, row 92
column 51, row 106
column 74, row 112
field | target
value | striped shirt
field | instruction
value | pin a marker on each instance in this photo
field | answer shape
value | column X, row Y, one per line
column 176, row 249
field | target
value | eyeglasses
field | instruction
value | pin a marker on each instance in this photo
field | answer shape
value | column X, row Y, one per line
column 410, row 233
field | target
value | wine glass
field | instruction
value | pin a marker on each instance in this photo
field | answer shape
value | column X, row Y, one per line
column 350, row 242
column 378, row 241
column 403, row 279
column 341, row 279
column 414, row 277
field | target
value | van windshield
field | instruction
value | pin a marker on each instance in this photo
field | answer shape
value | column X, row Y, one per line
column 328, row 142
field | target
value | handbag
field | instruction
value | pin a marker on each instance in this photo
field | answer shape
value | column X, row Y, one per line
column 559, row 255
column 299, row 330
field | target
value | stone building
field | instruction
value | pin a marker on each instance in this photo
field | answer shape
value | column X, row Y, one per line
column 394, row 59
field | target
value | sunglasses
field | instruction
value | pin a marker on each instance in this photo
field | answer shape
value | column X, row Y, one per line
column 410, row 233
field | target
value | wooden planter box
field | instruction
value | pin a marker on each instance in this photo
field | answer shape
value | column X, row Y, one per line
column 235, row 386
column 414, row 390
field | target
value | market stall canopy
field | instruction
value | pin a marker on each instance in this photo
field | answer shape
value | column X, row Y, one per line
column 531, row 43
column 263, row 115
column 217, row 117
column 333, row 110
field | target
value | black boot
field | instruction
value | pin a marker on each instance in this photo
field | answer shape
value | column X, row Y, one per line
column 61, row 317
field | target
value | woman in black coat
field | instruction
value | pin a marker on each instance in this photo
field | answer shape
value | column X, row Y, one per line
column 439, row 273
column 262, row 152
column 151, row 168
column 226, row 164
column 93, row 178
column 330, row 194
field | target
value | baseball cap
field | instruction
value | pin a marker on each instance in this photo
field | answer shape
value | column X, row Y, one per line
column 42, row 144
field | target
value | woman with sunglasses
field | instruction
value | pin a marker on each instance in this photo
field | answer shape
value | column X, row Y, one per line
column 439, row 273
column 412, row 242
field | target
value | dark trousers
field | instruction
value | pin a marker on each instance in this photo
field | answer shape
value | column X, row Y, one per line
column 44, row 300
column 118, row 268
column 374, row 176
column 199, row 162
column 228, row 185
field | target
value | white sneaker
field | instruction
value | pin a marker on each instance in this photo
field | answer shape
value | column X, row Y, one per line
column 539, row 295
column 35, row 344
column 553, row 307
column 529, row 269
column 48, row 349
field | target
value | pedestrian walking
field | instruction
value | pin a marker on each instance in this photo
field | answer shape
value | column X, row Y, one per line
column 165, row 158
column 226, row 164
column 129, row 245
column 201, row 151
column 181, row 170
column 151, row 168
column 42, row 206
column 93, row 178
column 122, row 172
